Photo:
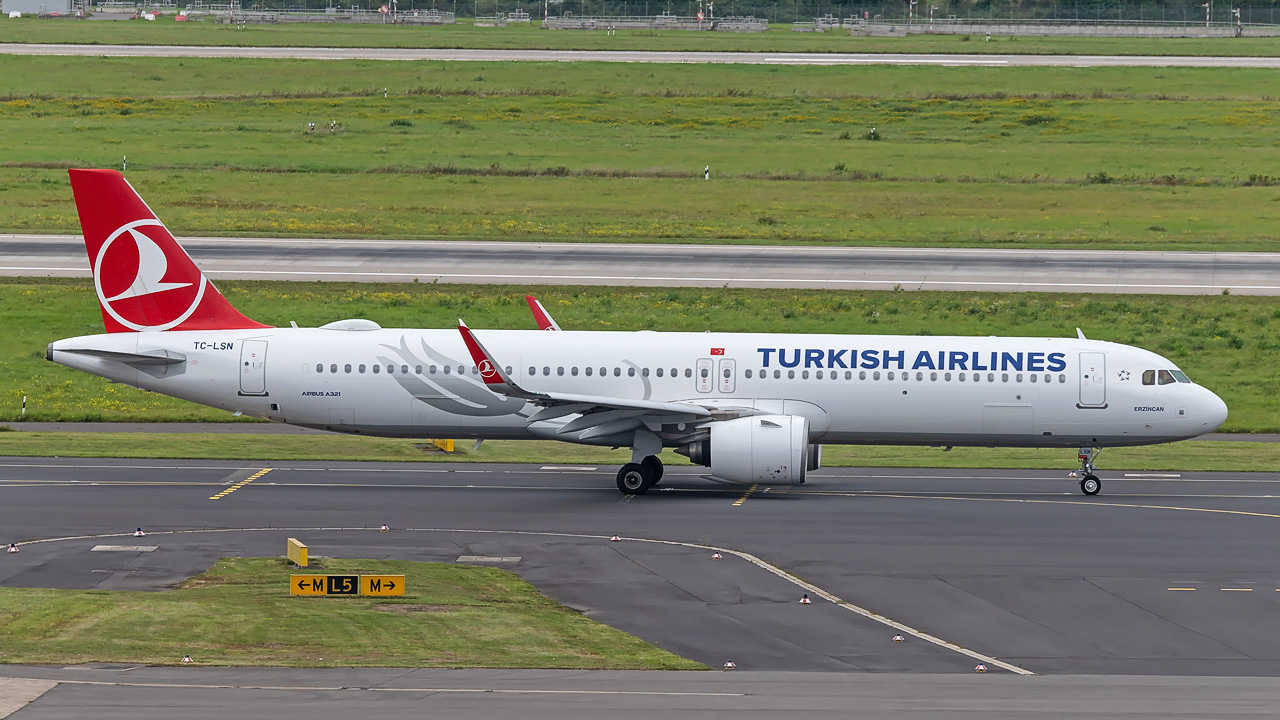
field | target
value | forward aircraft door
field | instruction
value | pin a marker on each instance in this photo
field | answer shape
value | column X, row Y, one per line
column 253, row 367
column 728, row 373
column 1093, row 379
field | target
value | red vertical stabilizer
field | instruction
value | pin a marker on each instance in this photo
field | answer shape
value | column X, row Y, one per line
column 145, row 280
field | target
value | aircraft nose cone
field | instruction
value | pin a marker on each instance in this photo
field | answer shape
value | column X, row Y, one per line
column 1215, row 412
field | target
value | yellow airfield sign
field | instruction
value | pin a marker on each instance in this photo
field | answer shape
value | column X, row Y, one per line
column 307, row 585
column 382, row 585
column 329, row 585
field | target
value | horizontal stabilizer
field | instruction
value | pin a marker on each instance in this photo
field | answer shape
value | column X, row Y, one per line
column 155, row 357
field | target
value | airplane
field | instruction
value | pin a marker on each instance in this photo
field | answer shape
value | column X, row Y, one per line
column 753, row 408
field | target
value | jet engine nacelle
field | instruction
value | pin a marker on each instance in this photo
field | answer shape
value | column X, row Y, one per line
column 760, row 449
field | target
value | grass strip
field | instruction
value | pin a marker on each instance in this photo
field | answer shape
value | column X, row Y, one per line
column 69, row 77
column 1131, row 158
column 1126, row 158
column 240, row 613
column 1191, row 456
column 1226, row 343
column 779, row 38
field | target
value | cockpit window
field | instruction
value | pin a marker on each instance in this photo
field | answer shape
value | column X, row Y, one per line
column 1149, row 377
column 1167, row 378
column 1181, row 376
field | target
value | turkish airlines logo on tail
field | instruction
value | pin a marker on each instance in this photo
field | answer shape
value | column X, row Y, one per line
column 144, row 280
column 487, row 372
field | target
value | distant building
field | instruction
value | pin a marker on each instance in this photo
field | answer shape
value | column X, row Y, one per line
column 36, row 7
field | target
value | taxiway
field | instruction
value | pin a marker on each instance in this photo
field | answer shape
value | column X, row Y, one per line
column 664, row 265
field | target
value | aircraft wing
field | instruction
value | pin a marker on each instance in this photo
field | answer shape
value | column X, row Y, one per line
column 599, row 414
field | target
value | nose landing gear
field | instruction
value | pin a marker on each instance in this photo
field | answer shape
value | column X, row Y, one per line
column 1089, row 483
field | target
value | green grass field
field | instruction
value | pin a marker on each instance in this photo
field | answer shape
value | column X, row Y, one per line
column 240, row 613
column 1194, row 456
column 1023, row 157
column 464, row 35
column 1227, row 343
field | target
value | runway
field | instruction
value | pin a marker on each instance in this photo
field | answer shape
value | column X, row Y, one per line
column 747, row 58
column 666, row 265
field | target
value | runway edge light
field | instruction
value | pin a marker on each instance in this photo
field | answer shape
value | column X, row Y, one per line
column 615, row 538
column 898, row 638
column 716, row 556
column 187, row 658
column 980, row 668
column 385, row 528
column 804, row 599
column 13, row 548
column 138, row 533
column 729, row 665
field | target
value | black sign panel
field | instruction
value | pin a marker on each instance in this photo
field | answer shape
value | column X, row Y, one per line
column 342, row 585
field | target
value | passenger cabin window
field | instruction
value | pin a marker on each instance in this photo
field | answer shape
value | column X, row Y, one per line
column 1166, row 378
column 319, row 368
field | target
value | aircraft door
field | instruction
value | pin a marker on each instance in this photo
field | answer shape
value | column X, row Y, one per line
column 253, row 367
column 703, row 372
column 728, row 375
column 1093, row 379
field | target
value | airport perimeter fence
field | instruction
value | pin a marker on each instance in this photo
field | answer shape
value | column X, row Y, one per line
column 657, row 22
column 809, row 13
column 354, row 15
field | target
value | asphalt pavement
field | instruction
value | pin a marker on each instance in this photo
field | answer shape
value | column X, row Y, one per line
column 666, row 265
column 1161, row 575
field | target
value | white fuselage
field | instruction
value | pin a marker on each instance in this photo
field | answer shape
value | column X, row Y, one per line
column 853, row 389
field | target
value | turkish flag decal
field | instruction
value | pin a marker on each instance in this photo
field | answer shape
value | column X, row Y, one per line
column 717, row 351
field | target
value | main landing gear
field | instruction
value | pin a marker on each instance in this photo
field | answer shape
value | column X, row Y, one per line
column 637, row 478
column 1089, row 483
